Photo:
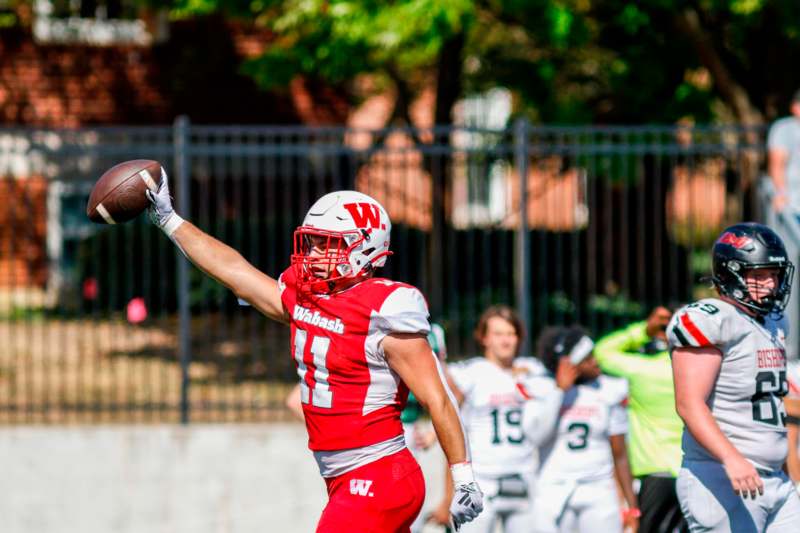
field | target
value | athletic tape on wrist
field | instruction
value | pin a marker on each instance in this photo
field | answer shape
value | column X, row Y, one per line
column 462, row 473
column 173, row 223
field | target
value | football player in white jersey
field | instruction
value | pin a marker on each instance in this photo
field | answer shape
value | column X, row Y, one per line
column 729, row 366
column 579, row 418
column 489, row 389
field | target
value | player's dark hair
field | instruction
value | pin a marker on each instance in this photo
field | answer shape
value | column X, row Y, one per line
column 555, row 342
column 504, row 312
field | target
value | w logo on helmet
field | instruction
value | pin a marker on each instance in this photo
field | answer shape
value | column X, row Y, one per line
column 365, row 215
column 734, row 240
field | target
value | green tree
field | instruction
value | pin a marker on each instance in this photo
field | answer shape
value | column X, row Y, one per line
column 569, row 61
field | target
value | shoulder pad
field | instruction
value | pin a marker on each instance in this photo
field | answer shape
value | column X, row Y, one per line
column 615, row 389
column 698, row 324
column 529, row 366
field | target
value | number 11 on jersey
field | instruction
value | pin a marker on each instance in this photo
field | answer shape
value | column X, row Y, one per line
column 321, row 395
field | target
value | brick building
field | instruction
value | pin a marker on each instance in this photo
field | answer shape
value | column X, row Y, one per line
column 57, row 77
column 64, row 75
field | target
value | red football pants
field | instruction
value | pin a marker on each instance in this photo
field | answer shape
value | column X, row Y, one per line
column 384, row 496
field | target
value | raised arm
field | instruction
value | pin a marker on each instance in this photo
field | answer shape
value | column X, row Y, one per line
column 410, row 356
column 613, row 352
column 541, row 414
column 695, row 371
column 216, row 258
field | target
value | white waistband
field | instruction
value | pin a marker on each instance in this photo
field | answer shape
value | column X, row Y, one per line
column 337, row 462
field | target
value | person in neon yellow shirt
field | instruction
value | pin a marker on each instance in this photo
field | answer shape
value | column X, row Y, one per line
column 639, row 353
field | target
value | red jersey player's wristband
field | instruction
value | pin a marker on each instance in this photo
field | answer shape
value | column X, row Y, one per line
column 631, row 512
column 171, row 224
column 462, row 473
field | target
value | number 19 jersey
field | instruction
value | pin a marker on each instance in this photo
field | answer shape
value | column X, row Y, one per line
column 492, row 414
column 351, row 398
column 747, row 400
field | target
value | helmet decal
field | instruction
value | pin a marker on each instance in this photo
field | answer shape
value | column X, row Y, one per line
column 737, row 241
column 365, row 214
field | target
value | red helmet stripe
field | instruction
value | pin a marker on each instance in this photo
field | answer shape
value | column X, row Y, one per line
column 694, row 331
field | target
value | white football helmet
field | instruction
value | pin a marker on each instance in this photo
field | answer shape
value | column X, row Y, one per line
column 344, row 236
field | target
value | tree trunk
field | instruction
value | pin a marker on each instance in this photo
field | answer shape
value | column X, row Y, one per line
column 448, row 90
column 732, row 92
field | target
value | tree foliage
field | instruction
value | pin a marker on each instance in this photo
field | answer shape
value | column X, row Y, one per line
column 568, row 61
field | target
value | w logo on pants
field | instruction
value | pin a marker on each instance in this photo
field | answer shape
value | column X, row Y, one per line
column 360, row 487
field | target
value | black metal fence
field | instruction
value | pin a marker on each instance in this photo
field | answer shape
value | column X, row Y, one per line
column 108, row 323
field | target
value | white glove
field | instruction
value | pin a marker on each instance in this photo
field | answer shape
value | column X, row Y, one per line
column 467, row 496
column 161, row 212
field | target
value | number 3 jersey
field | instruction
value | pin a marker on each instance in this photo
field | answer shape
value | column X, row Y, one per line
column 573, row 427
column 351, row 397
column 747, row 400
column 492, row 414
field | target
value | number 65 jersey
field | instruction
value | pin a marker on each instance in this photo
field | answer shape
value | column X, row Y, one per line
column 747, row 400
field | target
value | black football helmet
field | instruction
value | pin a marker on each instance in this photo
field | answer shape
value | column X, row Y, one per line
column 747, row 246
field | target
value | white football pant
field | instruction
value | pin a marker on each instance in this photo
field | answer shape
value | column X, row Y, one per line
column 710, row 505
column 514, row 515
column 587, row 507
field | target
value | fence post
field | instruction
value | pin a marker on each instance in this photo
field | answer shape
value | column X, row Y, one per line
column 181, row 156
column 522, row 246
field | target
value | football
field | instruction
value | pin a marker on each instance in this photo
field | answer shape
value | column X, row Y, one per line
column 118, row 196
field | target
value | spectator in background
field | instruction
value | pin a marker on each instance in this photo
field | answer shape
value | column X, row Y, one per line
column 489, row 388
column 578, row 419
column 783, row 159
column 639, row 354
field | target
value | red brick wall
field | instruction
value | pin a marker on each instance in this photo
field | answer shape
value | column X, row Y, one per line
column 23, row 232
column 195, row 72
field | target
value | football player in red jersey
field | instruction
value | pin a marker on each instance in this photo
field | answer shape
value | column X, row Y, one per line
column 359, row 343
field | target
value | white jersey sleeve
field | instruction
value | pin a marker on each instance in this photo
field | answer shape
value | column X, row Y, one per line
column 697, row 325
column 618, row 406
column 540, row 412
column 403, row 311
column 464, row 375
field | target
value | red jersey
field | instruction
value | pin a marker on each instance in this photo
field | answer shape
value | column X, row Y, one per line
column 350, row 396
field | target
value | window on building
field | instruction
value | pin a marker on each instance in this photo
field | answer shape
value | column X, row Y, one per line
column 97, row 22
